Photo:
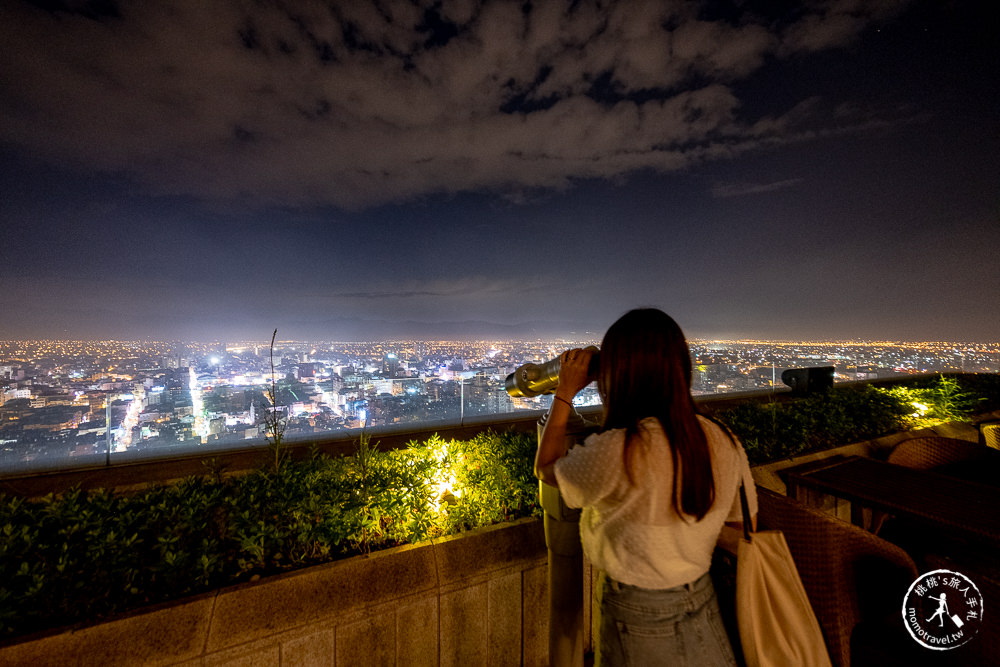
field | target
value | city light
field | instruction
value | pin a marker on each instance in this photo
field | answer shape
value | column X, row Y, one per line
column 55, row 396
column 197, row 405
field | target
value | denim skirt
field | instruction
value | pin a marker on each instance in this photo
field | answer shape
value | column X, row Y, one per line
column 677, row 626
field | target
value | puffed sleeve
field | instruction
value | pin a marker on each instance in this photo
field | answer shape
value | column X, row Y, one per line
column 591, row 471
column 743, row 465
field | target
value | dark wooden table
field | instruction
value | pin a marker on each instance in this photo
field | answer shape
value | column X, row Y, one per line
column 968, row 510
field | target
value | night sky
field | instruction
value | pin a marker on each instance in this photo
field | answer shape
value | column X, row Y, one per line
column 345, row 170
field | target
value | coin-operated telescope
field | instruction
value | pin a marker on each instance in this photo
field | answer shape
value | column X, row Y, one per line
column 536, row 379
column 805, row 381
column 562, row 523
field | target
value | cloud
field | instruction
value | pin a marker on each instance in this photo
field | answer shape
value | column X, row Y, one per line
column 725, row 190
column 472, row 287
column 359, row 103
column 836, row 23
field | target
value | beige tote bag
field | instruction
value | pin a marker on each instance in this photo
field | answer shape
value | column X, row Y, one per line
column 776, row 623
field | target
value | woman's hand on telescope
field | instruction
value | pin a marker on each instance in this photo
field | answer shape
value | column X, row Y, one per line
column 574, row 373
column 573, row 376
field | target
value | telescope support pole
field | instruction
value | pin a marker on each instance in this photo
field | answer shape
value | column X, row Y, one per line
column 562, row 538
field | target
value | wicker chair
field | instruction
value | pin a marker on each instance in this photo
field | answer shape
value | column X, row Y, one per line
column 990, row 435
column 984, row 648
column 855, row 581
column 947, row 456
column 934, row 452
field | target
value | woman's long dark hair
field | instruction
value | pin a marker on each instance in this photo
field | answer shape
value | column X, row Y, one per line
column 645, row 371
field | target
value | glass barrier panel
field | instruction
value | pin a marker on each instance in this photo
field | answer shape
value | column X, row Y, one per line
column 68, row 404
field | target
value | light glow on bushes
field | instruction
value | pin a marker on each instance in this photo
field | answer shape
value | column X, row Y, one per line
column 445, row 486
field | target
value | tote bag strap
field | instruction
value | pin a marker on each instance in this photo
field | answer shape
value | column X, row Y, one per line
column 744, row 503
column 745, row 507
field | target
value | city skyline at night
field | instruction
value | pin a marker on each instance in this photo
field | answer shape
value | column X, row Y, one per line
column 820, row 171
column 66, row 402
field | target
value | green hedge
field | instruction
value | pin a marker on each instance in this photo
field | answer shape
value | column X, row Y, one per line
column 774, row 430
column 84, row 556
column 854, row 413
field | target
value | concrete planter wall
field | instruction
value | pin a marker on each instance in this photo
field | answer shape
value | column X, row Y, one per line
column 472, row 599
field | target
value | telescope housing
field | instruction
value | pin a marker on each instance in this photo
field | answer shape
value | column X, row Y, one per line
column 536, row 379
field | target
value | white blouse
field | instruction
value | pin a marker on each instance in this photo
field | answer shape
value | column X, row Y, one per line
column 630, row 529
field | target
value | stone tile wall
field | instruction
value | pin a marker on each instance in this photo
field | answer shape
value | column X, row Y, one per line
column 475, row 599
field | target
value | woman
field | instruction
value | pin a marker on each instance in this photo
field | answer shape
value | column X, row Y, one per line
column 656, row 484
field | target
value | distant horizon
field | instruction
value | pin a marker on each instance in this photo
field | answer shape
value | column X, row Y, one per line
column 570, row 337
column 372, row 330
